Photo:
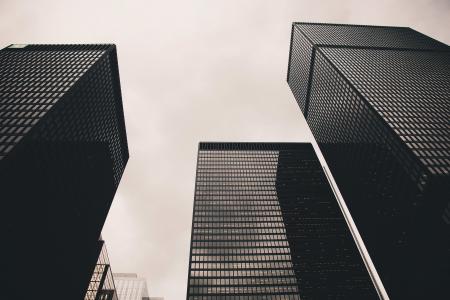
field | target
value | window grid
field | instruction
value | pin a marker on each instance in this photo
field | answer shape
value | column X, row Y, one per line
column 241, row 243
column 378, row 106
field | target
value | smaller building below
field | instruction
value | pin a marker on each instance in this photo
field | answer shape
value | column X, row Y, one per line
column 131, row 287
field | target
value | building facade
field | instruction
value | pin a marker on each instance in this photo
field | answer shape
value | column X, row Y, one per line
column 377, row 100
column 63, row 149
column 101, row 286
column 131, row 287
column 266, row 225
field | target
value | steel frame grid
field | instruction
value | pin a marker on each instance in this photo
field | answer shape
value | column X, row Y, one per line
column 257, row 165
column 430, row 182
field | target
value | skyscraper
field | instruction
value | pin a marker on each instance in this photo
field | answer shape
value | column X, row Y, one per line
column 131, row 287
column 266, row 225
column 377, row 100
column 63, row 149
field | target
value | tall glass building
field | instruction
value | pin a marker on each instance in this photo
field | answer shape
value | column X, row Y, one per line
column 131, row 287
column 63, row 149
column 267, row 225
column 377, row 100
column 102, row 285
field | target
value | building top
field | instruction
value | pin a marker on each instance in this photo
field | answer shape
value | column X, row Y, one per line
column 413, row 98
column 130, row 287
column 367, row 36
column 253, row 146
column 62, row 93
column 31, row 85
column 130, row 275
column 59, row 47
column 402, row 74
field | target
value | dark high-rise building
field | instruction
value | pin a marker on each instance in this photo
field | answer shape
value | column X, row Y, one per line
column 377, row 100
column 63, row 149
column 267, row 225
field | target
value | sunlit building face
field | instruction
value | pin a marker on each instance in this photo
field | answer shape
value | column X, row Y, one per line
column 266, row 225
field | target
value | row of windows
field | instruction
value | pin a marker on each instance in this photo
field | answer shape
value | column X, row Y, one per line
column 241, row 173
column 232, row 192
column 243, row 289
column 247, row 170
column 244, row 163
column 227, row 167
column 237, row 237
column 230, row 243
column 239, row 225
column 244, row 281
column 233, row 153
column 219, row 159
column 241, row 273
column 237, row 231
column 238, row 219
column 236, row 202
column 219, row 198
column 241, row 265
column 239, row 180
column 238, row 213
column 246, row 297
column 239, row 251
column 271, row 168
column 235, row 188
column 241, row 258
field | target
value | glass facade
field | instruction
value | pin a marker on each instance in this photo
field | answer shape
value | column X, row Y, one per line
column 266, row 225
column 63, row 149
column 75, row 87
column 101, row 286
column 377, row 101
column 130, row 287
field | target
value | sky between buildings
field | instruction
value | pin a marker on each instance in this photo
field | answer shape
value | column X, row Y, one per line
column 193, row 71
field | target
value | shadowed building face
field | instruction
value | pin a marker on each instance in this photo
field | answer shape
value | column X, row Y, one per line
column 63, row 150
column 267, row 225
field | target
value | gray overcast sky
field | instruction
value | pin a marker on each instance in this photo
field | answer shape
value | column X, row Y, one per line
column 193, row 71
